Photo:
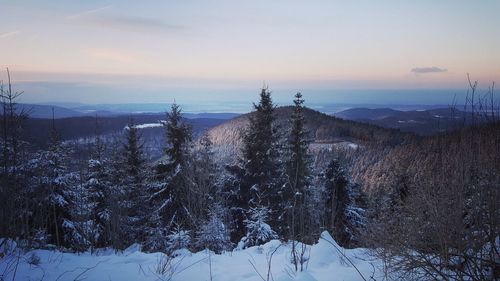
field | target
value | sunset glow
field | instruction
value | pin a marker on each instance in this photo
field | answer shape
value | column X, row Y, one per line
column 230, row 44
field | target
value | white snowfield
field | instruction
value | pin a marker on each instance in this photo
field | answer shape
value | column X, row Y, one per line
column 325, row 263
column 148, row 125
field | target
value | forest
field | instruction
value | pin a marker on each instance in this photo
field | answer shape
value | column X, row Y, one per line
column 427, row 206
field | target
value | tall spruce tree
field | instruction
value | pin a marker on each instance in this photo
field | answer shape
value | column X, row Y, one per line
column 100, row 192
column 14, row 192
column 297, row 170
column 172, row 182
column 132, row 177
column 179, row 134
column 134, row 155
column 58, row 188
column 259, row 166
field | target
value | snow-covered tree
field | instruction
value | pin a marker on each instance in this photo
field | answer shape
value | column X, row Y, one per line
column 99, row 195
column 171, row 183
column 258, row 230
column 178, row 239
column 214, row 234
column 131, row 173
column 155, row 234
column 103, row 197
column 297, row 175
column 260, row 152
column 133, row 153
column 257, row 176
column 343, row 215
column 61, row 195
column 14, row 190
column 179, row 135
column 54, row 197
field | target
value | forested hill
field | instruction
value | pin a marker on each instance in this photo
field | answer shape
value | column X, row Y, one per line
column 37, row 130
column 413, row 165
column 325, row 132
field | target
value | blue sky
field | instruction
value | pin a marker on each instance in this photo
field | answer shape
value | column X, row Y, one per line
column 154, row 51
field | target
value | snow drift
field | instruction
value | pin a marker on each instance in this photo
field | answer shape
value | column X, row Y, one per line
column 326, row 261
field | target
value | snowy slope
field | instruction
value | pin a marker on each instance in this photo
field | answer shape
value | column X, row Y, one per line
column 325, row 263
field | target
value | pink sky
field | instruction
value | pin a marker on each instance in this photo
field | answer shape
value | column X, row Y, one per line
column 304, row 44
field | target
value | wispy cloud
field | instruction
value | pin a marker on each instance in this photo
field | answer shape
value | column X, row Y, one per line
column 101, row 17
column 8, row 34
column 87, row 13
column 424, row 70
column 111, row 55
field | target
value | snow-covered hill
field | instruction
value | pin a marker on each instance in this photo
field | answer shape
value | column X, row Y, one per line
column 326, row 262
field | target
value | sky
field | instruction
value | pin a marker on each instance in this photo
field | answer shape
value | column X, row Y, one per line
column 221, row 51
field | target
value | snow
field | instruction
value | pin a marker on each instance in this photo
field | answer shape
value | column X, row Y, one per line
column 353, row 145
column 327, row 262
column 411, row 121
column 149, row 125
column 347, row 145
column 160, row 123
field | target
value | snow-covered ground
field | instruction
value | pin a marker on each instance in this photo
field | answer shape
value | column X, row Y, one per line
column 325, row 263
column 148, row 125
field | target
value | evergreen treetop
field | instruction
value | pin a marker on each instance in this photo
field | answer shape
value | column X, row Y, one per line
column 178, row 136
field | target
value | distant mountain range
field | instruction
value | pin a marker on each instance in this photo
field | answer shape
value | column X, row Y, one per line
column 47, row 111
column 37, row 129
column 423, row 122
column 43, row 111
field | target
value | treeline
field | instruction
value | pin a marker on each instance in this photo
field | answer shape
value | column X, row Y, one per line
column 436, row 206
column 50, row 198
column 74, row 128
column 434, row 203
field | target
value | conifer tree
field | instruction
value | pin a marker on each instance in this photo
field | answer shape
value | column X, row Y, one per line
column 58, row 188
column 177, row 239
column 132, row 178
column 179, row 135
column 51, row 197
column 297, row 174
column 99, row 194
column 172, row 183
column 259, row 166
column 258, row 230
column 134, row 155
column 14, row 192
column 214, row 232
column 344, row 215
column 259, row 151
column 99, row 188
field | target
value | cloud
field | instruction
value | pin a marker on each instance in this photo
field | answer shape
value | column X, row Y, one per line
column 424, row 70
column 88, row 13
column 8, row 34
column 122, row 22
column 111, row 55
